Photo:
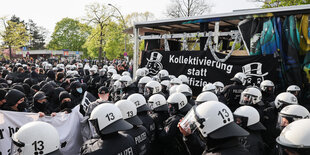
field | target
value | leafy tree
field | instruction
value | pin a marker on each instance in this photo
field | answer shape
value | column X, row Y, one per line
column 38, row 35
column 281, row 3
column 138, row 17
column 187, row 8
column 112, row 43
column 99, row 16
column 69, row 34
column 14, row 35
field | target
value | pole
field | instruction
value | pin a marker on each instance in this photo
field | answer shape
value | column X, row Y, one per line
column 135, row 51
column 123, row 20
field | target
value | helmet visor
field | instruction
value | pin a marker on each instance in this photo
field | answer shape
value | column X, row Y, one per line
column 17, row 147
column 141, row 87
column 284, row 120
column 246, row 99
column 189, row 122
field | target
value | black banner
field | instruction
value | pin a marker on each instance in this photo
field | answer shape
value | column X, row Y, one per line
column 201, row 68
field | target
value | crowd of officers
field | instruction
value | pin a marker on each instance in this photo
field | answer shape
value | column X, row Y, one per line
column 153, row 115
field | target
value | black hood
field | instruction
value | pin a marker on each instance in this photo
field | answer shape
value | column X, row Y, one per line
column 13, row 96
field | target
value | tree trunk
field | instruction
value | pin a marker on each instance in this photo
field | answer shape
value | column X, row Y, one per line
column 10, row 49
column 101, row 41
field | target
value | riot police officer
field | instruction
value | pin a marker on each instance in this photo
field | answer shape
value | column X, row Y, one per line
column 216, row 127
column 31, row 138
column 107, row 120
column 249, row 119
column 232, row 92
column 138, row 132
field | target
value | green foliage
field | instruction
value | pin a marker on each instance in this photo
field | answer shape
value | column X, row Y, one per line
column 69, row 34
column 38, row 35
column 281, row 3
column 113, row 41
column 14, row 35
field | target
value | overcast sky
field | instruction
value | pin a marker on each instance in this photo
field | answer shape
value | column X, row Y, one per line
column 47, row 13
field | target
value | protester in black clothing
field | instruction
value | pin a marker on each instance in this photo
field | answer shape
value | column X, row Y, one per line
column 2, row 98
column 14, row 98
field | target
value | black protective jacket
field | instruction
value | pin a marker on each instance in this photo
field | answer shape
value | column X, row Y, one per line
column 113, row 144
column 232, row 94
column 141, row 138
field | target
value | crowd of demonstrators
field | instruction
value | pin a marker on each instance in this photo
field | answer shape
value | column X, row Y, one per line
column 153, row 115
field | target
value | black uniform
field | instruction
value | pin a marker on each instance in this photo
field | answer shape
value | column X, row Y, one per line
column 227, row 146
column 156, row 144
column 141, row 138
column 254, row 143
column 172, row 138
column 267, row 98
column 232, row 94
column 270, row 121
column 112, row 144
column 148, row 123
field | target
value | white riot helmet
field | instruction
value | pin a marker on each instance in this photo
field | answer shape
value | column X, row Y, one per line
column 92, row 71
column 295, row 138
column 165, row 85
column 142, row 82
column 95, row 66
column 118, row 91
column 86, row 66
column 213, row 120
column 105, row 67
column 185, row 89
column 146, row 71
column 111, row 72
column 115, row 77
column 248, row 117
column 126, row 73
column 240, row 78
column 129, row 112
column 209, row 87
column 158, row 102
column 139, row 101
column 111, row 67
column 32, row 138
column 163, row 73
column 219, row 87
column 205, row 97
column 55, row 69
column 72, row 67
column 183, row 78
column 107, row 118
column 250, row 96
column 156, row 78
column 175, row 81
column 62, row 66
column 79, row 65
column 173, row 89
column 290, row 114
column 284, row 99
column 178, row 102
column 48, row 66
column 125, row 80
column 294, row 89
column 172, row 77
column 102, row 72
column 140, row 72
column 152, row 87
column 267, row 86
